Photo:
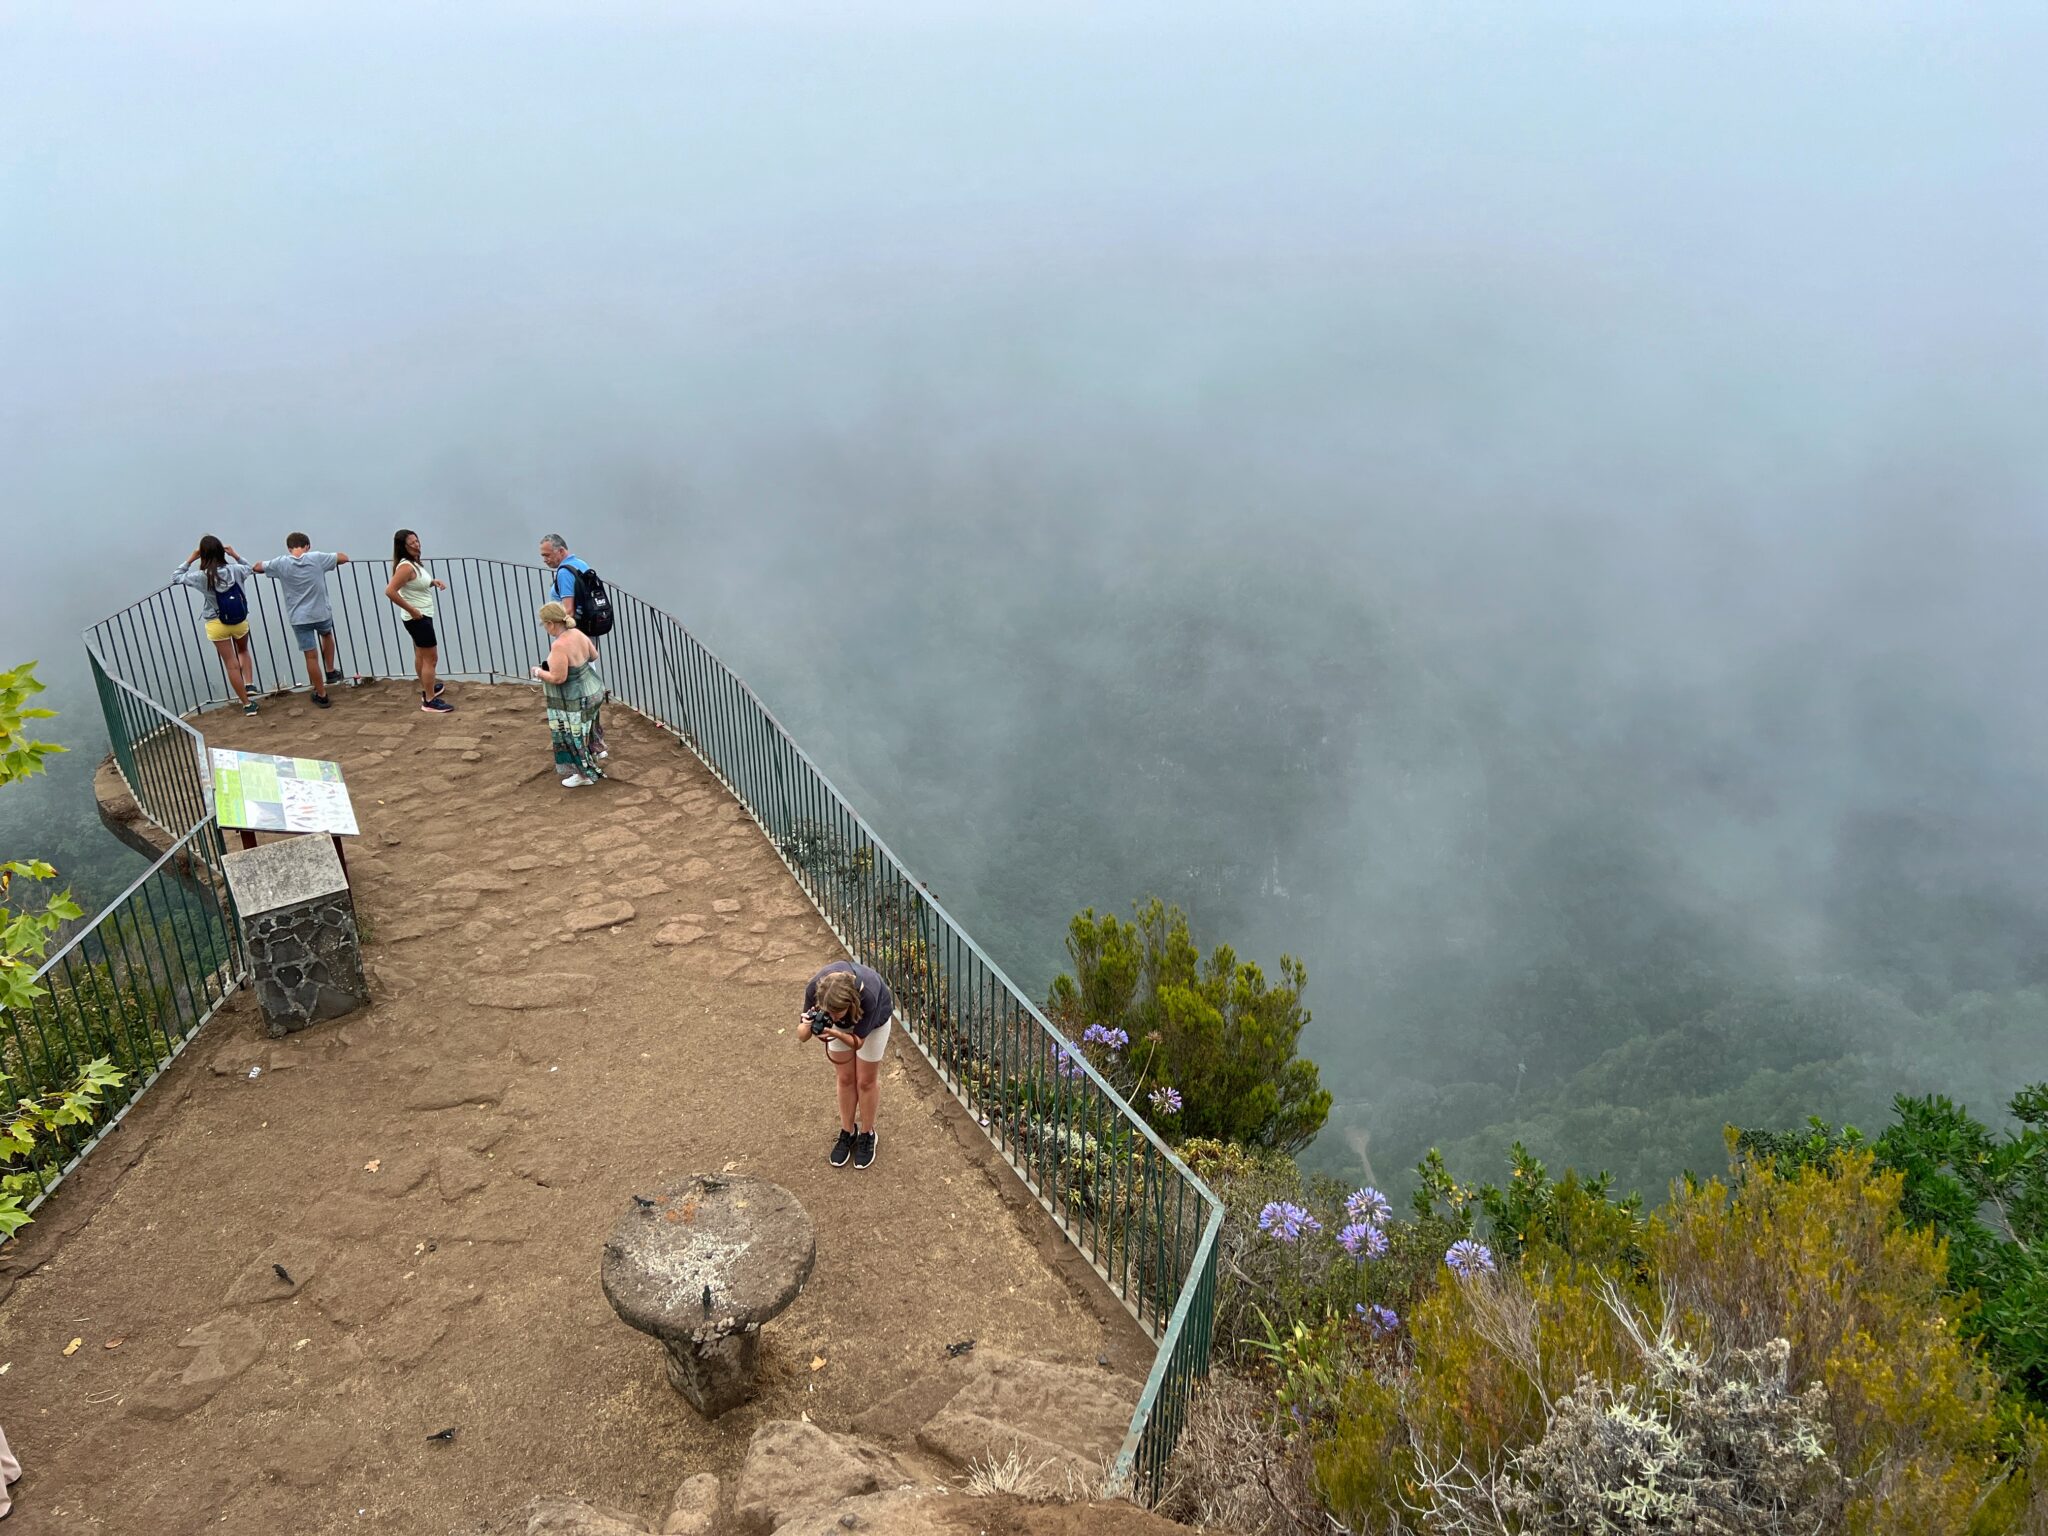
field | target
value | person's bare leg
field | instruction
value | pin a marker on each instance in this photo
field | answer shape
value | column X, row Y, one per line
column 428, row 658
column 248, row 668
column 231, row 664
column 313, row 673
column 870, row 1093
column 327, row 654
column 849, row 1092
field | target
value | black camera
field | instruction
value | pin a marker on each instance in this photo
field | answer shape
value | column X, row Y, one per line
column 819, row 1020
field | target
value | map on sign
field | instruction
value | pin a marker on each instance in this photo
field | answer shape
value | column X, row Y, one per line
column 261, row 793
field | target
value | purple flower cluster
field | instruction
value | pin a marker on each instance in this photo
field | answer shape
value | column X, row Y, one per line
column 1380, row 1321
column 1106, row 1035
column 1068, row 1063
column 1362, row 1240
column 1287, row 1221
column 1369, row 1206
column 1468, row 1258
column 1166, row 1100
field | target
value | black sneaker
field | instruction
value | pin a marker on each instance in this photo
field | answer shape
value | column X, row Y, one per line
column 864, row 1150
column 842, row 1149
column 334, row 677
column 321, row 701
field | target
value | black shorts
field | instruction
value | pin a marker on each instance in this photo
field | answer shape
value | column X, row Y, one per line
column 422, row 632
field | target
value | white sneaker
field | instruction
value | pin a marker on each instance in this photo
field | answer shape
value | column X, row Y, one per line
column 603, row 755
column 576, row 781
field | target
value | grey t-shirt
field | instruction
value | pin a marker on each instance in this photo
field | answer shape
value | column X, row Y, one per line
column 875, row 1002
column 303, row 579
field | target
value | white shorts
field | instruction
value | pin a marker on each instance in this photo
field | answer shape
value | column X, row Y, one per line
column 870, row 1049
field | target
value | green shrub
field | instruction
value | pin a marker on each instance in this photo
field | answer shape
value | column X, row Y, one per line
column 1155, row 1016
column 1984, row 1195
column 1786, row 1357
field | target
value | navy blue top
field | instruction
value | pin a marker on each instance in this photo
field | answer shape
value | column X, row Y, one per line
column 875, row 1002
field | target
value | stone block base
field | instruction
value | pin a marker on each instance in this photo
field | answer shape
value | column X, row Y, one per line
column 307, row 962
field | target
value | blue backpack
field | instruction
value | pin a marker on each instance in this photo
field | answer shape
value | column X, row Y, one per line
column 232, row 604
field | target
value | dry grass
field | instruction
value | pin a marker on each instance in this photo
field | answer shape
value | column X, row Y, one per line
column 1036, row 1482
column 1234, row 1471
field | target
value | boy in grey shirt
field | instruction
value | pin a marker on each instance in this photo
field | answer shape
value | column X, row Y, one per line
column 302, row 576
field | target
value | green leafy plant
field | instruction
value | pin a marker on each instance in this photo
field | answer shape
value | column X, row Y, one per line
column 1985, row 1194
column 31, row 1135
column 1201, row 1047
column 25, row 933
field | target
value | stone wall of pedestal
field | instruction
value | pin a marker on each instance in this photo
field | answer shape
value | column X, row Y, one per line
column 299, row 924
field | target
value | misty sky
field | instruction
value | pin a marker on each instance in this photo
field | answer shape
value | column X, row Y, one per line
column 1419, row 485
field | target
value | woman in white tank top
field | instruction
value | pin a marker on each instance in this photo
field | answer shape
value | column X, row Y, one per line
column 412, row 588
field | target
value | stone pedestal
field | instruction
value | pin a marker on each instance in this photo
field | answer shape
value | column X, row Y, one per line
column 299, row 924
column 702, row 1266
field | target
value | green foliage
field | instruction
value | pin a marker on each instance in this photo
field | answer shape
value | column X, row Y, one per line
column 43, row 1109
column 32, row 1136
column 25, row 931
column 1984, row 1194
column 1785, row 1359
column 1215, row 1031
column 1570, row 1218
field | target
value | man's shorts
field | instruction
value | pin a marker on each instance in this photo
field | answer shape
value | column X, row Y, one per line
column 870, row 1049
column 422, row 632
column 308, row 635
column 215, row 630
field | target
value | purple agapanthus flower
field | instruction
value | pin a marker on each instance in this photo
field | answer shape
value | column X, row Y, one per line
column 1468, row 1258
column 1362, row 1240
column 1068, row 1063
column 1105, row 1034
column 1368, row 1205
column 1166, row 1100
column 1381, row 1322
column 1287, row 1221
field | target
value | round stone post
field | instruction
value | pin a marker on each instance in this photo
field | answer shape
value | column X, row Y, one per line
column 702, row 1266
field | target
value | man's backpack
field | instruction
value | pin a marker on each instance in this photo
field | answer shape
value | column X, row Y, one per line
column 232, row 605
column 593, row 604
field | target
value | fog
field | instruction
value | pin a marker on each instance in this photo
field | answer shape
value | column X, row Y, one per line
column 1539, row 513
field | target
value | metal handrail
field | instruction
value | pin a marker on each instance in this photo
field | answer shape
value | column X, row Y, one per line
column 1146, row 1224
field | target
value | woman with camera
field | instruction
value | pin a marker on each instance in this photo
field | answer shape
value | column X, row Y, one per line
column 848, row 1006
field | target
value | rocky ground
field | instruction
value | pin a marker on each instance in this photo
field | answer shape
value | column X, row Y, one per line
column 577, row 995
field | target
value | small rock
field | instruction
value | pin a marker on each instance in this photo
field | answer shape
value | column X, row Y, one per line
column 606, row 915
column 678, row 933
column 222, row 1350
column 531, row 989
column 725, row 904
column 792, row 1466
column 694, row 1509
column 573, row 1517
column 448, row 1087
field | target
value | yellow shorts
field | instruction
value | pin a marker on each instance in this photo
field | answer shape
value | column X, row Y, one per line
column 215, row 630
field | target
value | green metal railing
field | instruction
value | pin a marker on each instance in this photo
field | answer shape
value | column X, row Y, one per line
column 1127, row 1204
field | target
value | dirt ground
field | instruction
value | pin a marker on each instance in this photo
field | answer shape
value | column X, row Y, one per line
column 437, row 1174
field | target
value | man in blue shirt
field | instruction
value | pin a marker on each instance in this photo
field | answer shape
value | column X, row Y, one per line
column 302, row 576
column 554, row 554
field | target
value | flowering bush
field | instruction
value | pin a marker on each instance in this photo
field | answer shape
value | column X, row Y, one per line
column 1363, row 1241
column 1468, row 1259
column 1286, row 1221
column 1787, row 1363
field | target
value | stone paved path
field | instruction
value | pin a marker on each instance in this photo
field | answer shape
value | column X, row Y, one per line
column 578, row 995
